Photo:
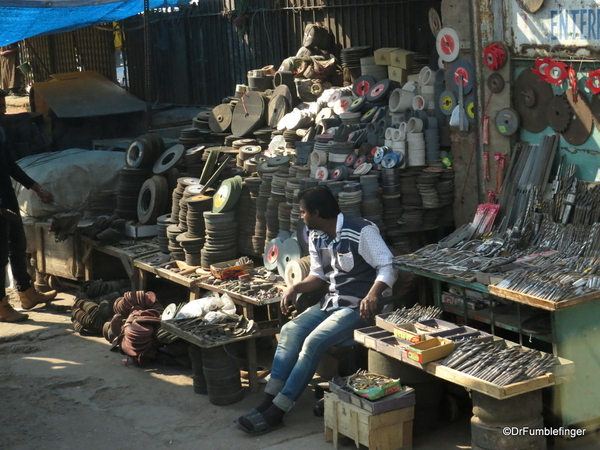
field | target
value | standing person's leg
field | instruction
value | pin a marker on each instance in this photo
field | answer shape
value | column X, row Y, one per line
column 7, row 313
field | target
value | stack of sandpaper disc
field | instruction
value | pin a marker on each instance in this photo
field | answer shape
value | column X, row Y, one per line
column 246, row 216
column 221, row 238
column 283, row 215
column 445, row 187
column 297, row 270
column 412, row 219
column 371, row 203
column 392, row 207
column 260, row 231
column 426, row 184
column 408, row 186
column 191, row 247
column 182, row 183
column 197, row 205
column 191, row 137
column 277, row 196
column 189, row 191
column 130, row 184
column 174, row 247
column 350, row 199
column 162, row 223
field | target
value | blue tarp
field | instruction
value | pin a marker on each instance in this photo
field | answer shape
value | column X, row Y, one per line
column 23, row 19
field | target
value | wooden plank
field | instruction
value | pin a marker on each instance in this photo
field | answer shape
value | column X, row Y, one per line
column 468, row 284
column 541, row 303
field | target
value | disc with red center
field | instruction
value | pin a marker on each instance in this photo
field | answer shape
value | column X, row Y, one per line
column 447, row 44
column 379, row 91
column 363, row 84
column 272, row 254
column 464, row 68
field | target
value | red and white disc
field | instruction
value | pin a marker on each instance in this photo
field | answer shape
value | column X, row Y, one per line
column 447, row 44
column 321, row 173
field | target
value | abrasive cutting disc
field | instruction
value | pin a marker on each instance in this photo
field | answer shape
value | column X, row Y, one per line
column 278, row 161
column 464, row 68
column 530, row 99
column 447, row 102
column 169, row 159
column 289, row 251
column 368, row 116
column 380, row 90
column 390, row 160
column 581, row 125
column 249, row 114
column 470, row 108
column 507, row 121
column 278, row 107
column 447, row 44
column 169, row 312
column 378, row 155
column 357, row 104
column 321, row 173
column 272, row 252
column 227, row 195
column 360, row 160
column 350, row 159
column 495, row 83
column 220, row 118
column 435, row 23
column 362, row 86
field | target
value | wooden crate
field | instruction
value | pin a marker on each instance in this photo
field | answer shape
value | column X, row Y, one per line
column 386, row 431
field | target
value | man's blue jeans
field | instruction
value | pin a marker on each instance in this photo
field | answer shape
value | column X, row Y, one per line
column 301, row 344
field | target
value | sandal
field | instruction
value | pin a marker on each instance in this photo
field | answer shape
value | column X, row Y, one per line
column 258, row 423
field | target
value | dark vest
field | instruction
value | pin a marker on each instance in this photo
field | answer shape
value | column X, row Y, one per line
column 349, row 275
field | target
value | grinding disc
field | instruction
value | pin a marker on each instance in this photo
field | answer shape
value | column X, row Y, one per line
column 278, row 107
column 334, row 98
column 435, row 23
column 360, row 160
column 350, row 159
column 447, row 102
column 169, row 159
column 368, row 116
column 581, row 124
column 380, row 90
column 289, row 251
column 447, row 44
column 297, row 270
column 559, row 113
column 495, row 83
column 282, row 89
column 507, row 121
column 227, row 195
column 357, row 105
column 470, row 108
column 378, row 155
column 321, row 173
column 220, row 117
column 278, row 161
column 390, row 161
column 169, row 312
column 530, row 99
column 271, row 255
column 363, row 85
column 249, row 114
column 339, row 173
column 464, row 68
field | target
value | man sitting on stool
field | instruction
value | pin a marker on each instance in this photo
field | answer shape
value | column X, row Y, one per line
column 349, row 254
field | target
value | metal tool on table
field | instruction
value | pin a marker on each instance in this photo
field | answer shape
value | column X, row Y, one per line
column 571, row 195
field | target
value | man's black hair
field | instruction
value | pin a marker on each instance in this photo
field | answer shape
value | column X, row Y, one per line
column 320, row 198
column 3, row 93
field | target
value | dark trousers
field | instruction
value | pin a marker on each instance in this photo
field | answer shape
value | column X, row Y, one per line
column 13, row 247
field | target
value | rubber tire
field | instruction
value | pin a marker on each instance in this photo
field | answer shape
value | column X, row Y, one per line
column 524, row 407
column 152, row 200
column 228, row 399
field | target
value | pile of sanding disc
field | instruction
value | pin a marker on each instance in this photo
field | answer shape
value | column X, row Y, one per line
column 350, row 199
column 162, row 223
column 221, row 238
column 392, row 206
column 260, row 230
column 426, row 185
column 371, row 203
column 246, row 216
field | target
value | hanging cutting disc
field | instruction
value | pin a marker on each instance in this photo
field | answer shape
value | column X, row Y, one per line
column 380, row 90
column 559, row 113
column 470, row 108
column 530, row 99
column 220, row 118
column 447, row 44
column 507, row 121
column 580, row 128
column 278, row 107
column 249, row 114
column 495, row 83
column 531, row 6
column 363, row 85
column 289, row 251
column 169, row 159
column 435, row 23
column 465, row 69
column 271, row 254
column 447, row 102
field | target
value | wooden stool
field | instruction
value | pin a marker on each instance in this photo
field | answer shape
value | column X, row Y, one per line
column 386, row 431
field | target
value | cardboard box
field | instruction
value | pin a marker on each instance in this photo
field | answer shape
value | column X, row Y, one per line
column 429, row 350
column 409, row 332
column 383, row 56
column 227, row 269
column 401, row 58
column 397, row 74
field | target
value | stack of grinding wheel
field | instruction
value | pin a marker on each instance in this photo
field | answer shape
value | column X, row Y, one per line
column 297, row 271
column 426, row 184
column 351, row 56
column 263, row 137
column 302, row 172
column 103, row 204
column 246, row 216
column 292, row 188
column 221, row 238
column 408, row 185
column 371, row 203
column 163, row 223
column 192, row 240
column 260, row 230
column 350, row 199
column 277, row 196
column 174, row 247
column 191, row 137
column 445, row 187
column 392, row 208
column 246, row 153
column 189, row 191
column 201, row 120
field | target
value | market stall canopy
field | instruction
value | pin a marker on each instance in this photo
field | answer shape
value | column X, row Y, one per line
column 83, row 94
column 22, row 19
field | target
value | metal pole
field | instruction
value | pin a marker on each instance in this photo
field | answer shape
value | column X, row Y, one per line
column 147, row 61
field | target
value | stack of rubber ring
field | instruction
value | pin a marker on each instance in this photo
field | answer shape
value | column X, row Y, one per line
column 131, row 181
column 162, row 223
column 221, row 238
column 392, row 206
column 260, row 231
column 246, row 216
column 350, row 199
column 371, row 208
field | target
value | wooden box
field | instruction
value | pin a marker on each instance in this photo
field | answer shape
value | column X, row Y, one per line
column 386, row 431
column 383, row 56
column 429, row 350
column 63, row 259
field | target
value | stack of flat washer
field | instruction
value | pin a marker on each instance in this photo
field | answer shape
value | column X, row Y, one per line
column 350, row 199
column 130, row 183
column 445, row 187
column 201, row 120
column 392, row 207
column 351, row 56
column 260, row 231
column 426, row 184
column 371, row 203
column 246, row 216
column 221, row 238
column 191, row 137
column 189, row 191
column 174, row 247
column 408, row 185
column 163, row 223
